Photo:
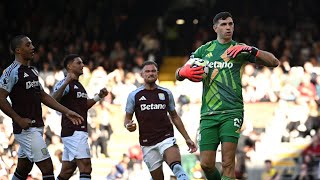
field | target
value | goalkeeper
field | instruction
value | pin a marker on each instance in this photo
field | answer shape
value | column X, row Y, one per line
column 222, row 103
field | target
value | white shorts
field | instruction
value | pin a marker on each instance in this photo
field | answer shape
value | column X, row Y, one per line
column 32, row 145
column 153, row 155
column 76, row 146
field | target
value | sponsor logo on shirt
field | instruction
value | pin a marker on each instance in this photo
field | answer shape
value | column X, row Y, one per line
column 32, row 84
column 152, row 107
column 25, row 75
column 82, row 95
column 220, row 65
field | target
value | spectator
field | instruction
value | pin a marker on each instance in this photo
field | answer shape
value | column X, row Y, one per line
column 269, row 172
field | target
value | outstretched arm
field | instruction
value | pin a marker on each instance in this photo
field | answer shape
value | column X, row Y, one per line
column 266, row 59
column 103, row 92
column 52, row 103
column 179, row 125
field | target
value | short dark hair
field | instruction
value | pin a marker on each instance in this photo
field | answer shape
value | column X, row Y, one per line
column 68, row 59
column 267, row 161
column 149, row 63
column 221, row 15
column 16, row 42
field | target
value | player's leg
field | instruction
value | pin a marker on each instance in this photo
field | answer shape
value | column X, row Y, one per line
column 208, row 143
column 67, row 169
column 157, row 174
column 228, row 159
column 46, row 168
column 38, row 152
column 171, row 154
column 153, row 160
column 85, row 168
column 24, row 166
column 76, row 148
column 229, row 135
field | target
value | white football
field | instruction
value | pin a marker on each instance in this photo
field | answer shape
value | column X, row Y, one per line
column 201, row 62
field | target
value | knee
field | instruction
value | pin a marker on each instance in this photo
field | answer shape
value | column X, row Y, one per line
column 86, row 167
column 207, row 166
column 66, row 174
column 46, row 168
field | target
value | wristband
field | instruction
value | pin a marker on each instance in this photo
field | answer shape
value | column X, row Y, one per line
column 255, row 51
column 97, row 98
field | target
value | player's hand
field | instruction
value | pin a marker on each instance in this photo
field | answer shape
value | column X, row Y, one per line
column 192, row 73
column 192, row 146
column 74, row 117
column 24, row 123
column 235, row 50
column 70, row 77
column 103, row 92
column 131, row 126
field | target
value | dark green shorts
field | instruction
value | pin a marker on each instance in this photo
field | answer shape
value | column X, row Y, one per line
column 219, row 128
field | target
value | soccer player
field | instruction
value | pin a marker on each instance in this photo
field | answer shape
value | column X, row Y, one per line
column 222, row 103
column 20, row 82
column 151, row 104
column 72, row 94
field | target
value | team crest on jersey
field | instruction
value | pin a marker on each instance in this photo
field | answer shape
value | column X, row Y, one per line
column 44, row 151
column 161, row 96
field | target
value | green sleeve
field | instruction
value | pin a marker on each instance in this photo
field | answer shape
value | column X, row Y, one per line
column 199, row 52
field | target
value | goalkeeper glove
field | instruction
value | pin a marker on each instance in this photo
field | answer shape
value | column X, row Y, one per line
column 235, row 50
column 192, row 73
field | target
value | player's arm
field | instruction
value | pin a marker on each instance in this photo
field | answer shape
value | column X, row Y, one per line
column 58, row 93
column 7, row 82
column 257, row 56
column 53, row 104
column 59, row 90
column 187, row 71
column 266, row 59
column 97, row 97
column 129, row 124
column 5, row 106
column 176, row 120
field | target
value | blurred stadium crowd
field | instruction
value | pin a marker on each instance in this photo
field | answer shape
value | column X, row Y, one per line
column 113, row 49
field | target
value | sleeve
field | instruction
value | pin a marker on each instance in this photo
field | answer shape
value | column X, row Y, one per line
column 58, row 86
column 130, row 103
column 245, row 58
column 8, row 80
column 171, row 101
column 197, row 53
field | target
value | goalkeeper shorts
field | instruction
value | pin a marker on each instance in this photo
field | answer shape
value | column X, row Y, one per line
column 219, row 128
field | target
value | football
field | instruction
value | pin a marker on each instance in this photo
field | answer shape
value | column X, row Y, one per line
column 201, row 62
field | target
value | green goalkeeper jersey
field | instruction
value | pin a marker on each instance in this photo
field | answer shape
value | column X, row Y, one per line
column 222, row 89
